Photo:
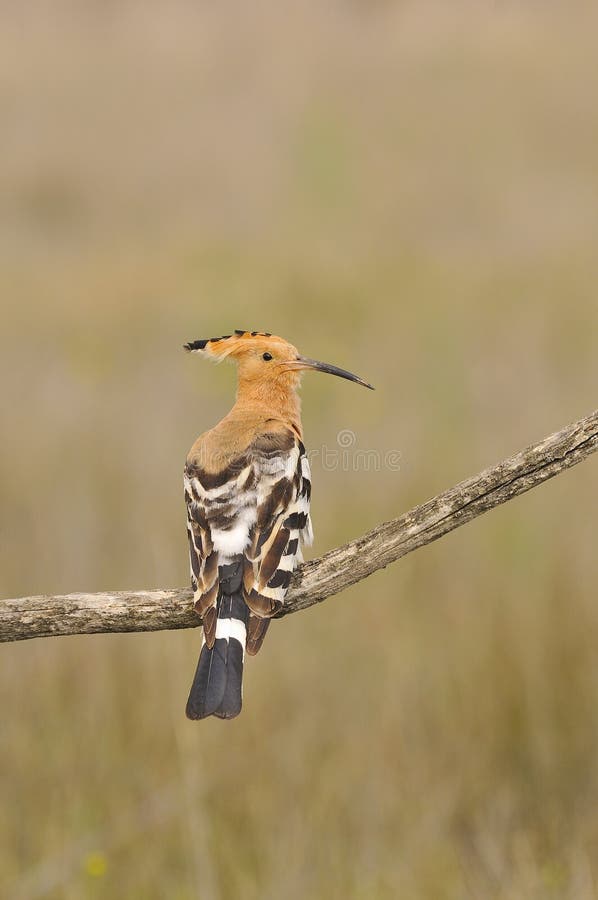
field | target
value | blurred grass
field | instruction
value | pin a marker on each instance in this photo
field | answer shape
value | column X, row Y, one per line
column 403, row 189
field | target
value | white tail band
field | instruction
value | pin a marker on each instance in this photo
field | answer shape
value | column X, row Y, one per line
column 231, row 628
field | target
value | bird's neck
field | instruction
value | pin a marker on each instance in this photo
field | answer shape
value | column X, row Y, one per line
column 276, row 399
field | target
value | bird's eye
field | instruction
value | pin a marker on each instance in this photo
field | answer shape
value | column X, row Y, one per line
column 267, row 357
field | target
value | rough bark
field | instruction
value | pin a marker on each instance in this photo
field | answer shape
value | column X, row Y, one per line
column 45, row 615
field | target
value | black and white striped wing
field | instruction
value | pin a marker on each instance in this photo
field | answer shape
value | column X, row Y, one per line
column 220, row 515
column 283, row 524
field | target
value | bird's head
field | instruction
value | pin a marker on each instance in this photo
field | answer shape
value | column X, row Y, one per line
column 265, row 359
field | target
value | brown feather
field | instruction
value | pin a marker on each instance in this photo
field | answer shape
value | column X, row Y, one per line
column 264, row 607
column 248, row 574
column 278, row 499
column 256, row 632
column 209, row 619
column 271, row 561
column 207, row 600
column 209, row 574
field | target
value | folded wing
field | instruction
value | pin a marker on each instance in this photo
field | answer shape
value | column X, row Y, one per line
column 256, row 505
column 282, row 525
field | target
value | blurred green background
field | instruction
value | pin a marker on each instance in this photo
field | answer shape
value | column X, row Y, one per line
column 409, row 190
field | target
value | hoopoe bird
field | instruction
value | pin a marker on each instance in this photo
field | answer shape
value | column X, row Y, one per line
column 247, row 492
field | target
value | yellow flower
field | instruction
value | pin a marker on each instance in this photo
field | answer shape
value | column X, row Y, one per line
column 95, row 865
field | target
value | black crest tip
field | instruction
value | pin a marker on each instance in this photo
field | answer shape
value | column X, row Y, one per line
column 195, row 345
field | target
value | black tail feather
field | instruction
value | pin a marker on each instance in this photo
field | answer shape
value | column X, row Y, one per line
column 232, row 699
column 217, row 685
column 209, row 683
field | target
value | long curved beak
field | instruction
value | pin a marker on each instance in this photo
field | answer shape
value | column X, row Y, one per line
column 302, row 362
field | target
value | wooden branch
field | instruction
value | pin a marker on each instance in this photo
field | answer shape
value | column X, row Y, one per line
column 43, row 616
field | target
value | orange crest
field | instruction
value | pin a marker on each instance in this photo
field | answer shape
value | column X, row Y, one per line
column 241, row 344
